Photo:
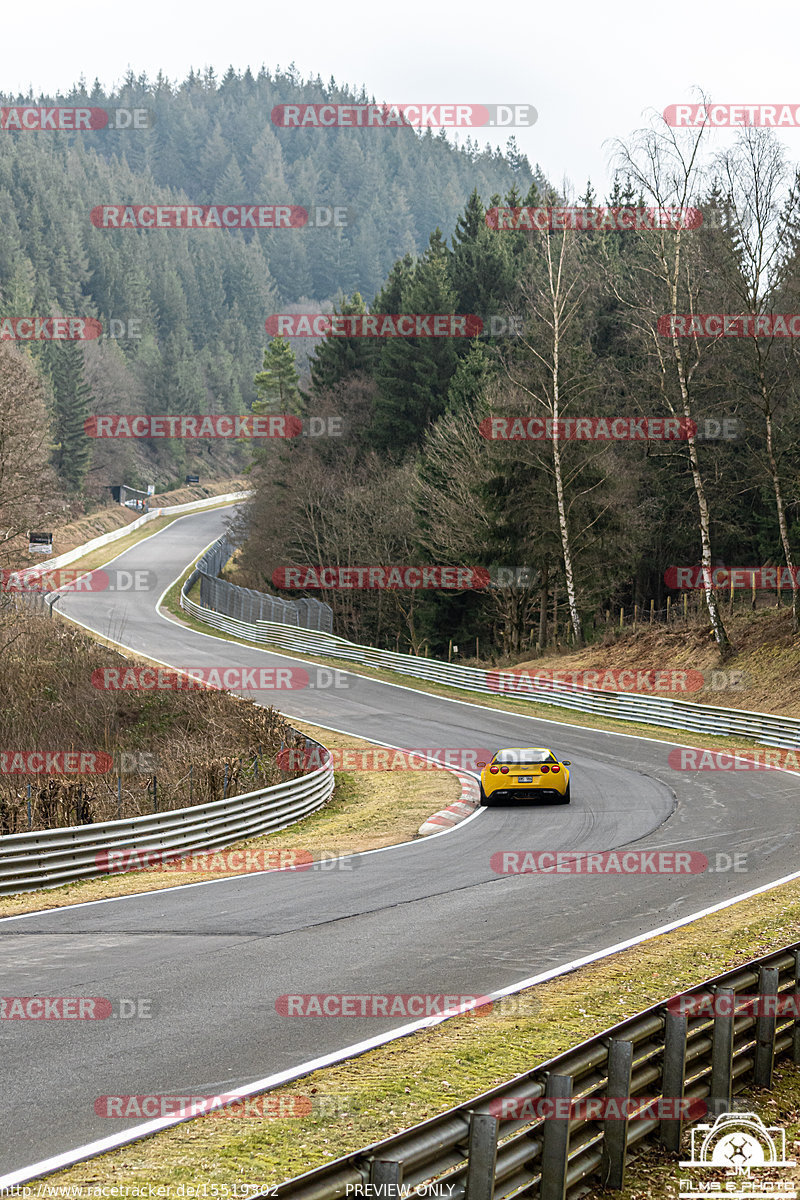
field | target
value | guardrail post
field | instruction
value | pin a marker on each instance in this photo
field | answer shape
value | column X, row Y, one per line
column 765, row 1027
column 719, row 1099
column 555, row 1142
column 796, row 1032
column 673, row 1075
column 615, row 1129
column 481, row 1156
column 389, row 1173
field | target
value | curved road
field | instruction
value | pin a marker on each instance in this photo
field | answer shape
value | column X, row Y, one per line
column 429, row 916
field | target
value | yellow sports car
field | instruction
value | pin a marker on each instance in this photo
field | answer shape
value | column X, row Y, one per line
column 524, row 773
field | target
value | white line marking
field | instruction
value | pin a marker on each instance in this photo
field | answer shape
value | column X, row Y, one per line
column 24, row 1174
column 103, row 1145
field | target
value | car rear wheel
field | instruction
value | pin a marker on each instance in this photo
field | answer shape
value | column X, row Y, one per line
column 565, row 798
column 485, row 803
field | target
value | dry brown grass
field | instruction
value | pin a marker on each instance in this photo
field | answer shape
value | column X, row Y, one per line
column 110, row 516
column 388, row 1089
column 48, row 702
column 367, row 810
column 765, row 653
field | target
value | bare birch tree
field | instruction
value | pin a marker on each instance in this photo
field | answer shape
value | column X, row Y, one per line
column 549, row 367
column 667, row 169
column 760, row 209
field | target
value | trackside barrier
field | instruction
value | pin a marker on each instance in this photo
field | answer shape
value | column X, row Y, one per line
column 660, row 1054
column 245, row 604
column 106, row 539
column 763, row 728
column 52, row 857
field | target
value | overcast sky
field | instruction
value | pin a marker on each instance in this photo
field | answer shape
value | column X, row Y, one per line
column 592, row 70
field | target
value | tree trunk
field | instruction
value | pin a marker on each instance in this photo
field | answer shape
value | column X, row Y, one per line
column 779, row 501
column 542, row 642
column 566, row 547
column 720, row 636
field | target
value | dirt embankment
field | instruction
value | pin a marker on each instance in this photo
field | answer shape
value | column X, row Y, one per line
column 114, row 516
column 763, row 674
column 56, row 705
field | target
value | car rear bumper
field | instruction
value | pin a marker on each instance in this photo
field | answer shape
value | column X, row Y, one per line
column 524, row 793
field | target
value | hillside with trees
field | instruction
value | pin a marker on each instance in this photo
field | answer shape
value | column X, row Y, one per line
column 596, row 522
column 198, row 300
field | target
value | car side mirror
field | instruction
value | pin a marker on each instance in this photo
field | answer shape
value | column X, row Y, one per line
column 481, row 764
column 565, row 762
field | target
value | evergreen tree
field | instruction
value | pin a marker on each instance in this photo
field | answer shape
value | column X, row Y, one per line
column 414, row 373
column 277, row 383
column 337, row 357
column 70, row 412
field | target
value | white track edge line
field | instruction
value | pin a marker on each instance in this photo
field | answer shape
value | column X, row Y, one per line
column 47, row 1166
column 102, row 1145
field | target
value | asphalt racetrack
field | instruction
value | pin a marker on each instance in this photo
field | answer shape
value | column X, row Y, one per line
column 431, row 916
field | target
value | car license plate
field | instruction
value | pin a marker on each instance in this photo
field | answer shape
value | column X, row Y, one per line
column 524, row 779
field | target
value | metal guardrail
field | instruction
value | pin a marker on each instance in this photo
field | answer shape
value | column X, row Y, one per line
column 660, row 1053
column 246, row 604
column 52, row 857
column 107, row 539
column 764, row 728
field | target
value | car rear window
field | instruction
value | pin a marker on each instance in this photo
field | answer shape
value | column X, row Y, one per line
column 525, row 757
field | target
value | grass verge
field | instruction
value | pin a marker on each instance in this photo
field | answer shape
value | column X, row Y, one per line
column 367, row 810
column 388, row 1089
column 104, row 554
column 548, row 712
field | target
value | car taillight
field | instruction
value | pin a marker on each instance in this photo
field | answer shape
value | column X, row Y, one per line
column 504, row 770
column 555, row 770
column 493, row 770
column 545, row 770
